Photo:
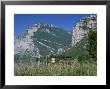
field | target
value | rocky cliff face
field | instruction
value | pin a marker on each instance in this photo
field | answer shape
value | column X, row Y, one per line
column 82, row 27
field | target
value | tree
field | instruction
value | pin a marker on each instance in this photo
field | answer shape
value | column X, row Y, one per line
column 92, row 44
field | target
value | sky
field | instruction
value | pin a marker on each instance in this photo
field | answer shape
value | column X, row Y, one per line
column 64, row 21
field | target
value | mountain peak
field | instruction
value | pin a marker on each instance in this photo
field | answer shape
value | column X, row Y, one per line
column 42, row 25
column 40, row 39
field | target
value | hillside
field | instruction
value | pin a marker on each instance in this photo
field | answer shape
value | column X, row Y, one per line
column 77, row 50
column 50, row 39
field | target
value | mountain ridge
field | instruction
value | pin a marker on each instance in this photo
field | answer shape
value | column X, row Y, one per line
column 41, row 39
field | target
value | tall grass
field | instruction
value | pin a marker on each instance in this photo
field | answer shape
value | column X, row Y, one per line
column 74, row 68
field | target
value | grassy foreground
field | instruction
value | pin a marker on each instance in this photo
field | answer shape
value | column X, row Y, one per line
column 74, row 68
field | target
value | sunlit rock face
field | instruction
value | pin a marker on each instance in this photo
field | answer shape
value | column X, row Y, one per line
column 24, row 44
column 82, row 27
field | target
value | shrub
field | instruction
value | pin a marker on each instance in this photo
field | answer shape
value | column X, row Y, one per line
column 83, row 58
column 92, row 44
